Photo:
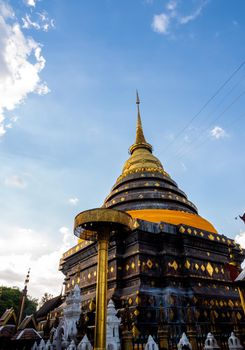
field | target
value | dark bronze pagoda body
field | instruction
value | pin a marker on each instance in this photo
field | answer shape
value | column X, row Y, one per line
column 173, row 270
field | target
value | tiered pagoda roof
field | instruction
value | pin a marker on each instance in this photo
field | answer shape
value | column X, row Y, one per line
column 146, row 191
column 171, row 260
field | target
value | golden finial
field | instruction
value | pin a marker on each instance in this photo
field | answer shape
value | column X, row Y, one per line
column 140, row 141
column 140, row 138
column 141, row 158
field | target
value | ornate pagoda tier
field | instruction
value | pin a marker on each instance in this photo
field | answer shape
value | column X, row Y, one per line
column 187, row 271
column 172, row 269
column 144, row 184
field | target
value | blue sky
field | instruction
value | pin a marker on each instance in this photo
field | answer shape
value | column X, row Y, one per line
column 68, row 75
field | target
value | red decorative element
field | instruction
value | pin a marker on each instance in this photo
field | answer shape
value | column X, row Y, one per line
column 232, row 271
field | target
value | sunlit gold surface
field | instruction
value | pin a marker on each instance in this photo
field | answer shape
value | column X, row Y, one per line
column 140, row 138
column 98, row 224
column 101, row 293
column 242, row 297
column 8, row 314
column 210, row 269
column 81, row 244
column 141, row 158
column 88, row 222
column 173, row 217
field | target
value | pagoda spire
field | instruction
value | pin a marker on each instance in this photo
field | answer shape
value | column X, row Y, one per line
column 140, row 141
column 140, row 138
column 23, row 297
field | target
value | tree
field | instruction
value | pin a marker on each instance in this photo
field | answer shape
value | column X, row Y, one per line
column 45, row 298
column 11, row 297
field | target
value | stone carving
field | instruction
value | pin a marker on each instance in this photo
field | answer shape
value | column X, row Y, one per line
column 66, row 328
column 211, row 343
column 151, row 344
column 52, row 333
column 84, row 344
column 234, row 342
column 72, row 346
column 42, row 345
column 72, row 311
column 184, row 343
column 49, row 346
column 35, row 346
column 112, row 328
column 59, row 337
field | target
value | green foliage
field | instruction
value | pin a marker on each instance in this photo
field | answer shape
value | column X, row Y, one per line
column 45, row 298
column 11, row 297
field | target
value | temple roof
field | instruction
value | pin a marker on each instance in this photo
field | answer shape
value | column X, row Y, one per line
column 27, row 334
column 48, row 306
column 29, row 321
column 8, row 317
column 7, row 331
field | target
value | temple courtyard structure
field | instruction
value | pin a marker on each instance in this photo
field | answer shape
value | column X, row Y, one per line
column 147, row 272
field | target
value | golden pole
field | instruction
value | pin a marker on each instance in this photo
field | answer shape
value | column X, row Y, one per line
column 101, row 292
column 107, row 220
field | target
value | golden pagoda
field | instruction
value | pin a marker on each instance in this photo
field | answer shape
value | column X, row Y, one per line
column 172, row 271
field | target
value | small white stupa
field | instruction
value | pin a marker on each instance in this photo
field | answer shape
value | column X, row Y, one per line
column 112, row 328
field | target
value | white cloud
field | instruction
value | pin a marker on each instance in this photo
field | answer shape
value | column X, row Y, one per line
column 171, row 5
column 5, row 10
column 160, row 23
column 73, row 200
column 30, row 248
column 28, row 23
column 30, row 3
column 15, row 181
column 67, row 236
column 64, row 230
column 42, row 22
column 240, row 239
column 42, row 89
column 217, row 133
column 12, row 119
column 24, row 241
column 2, row 130
column 173, row 16
column 192, row 16
column 21, row 62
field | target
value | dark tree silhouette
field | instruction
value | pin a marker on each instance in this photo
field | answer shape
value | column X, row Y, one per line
column 11, row 296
